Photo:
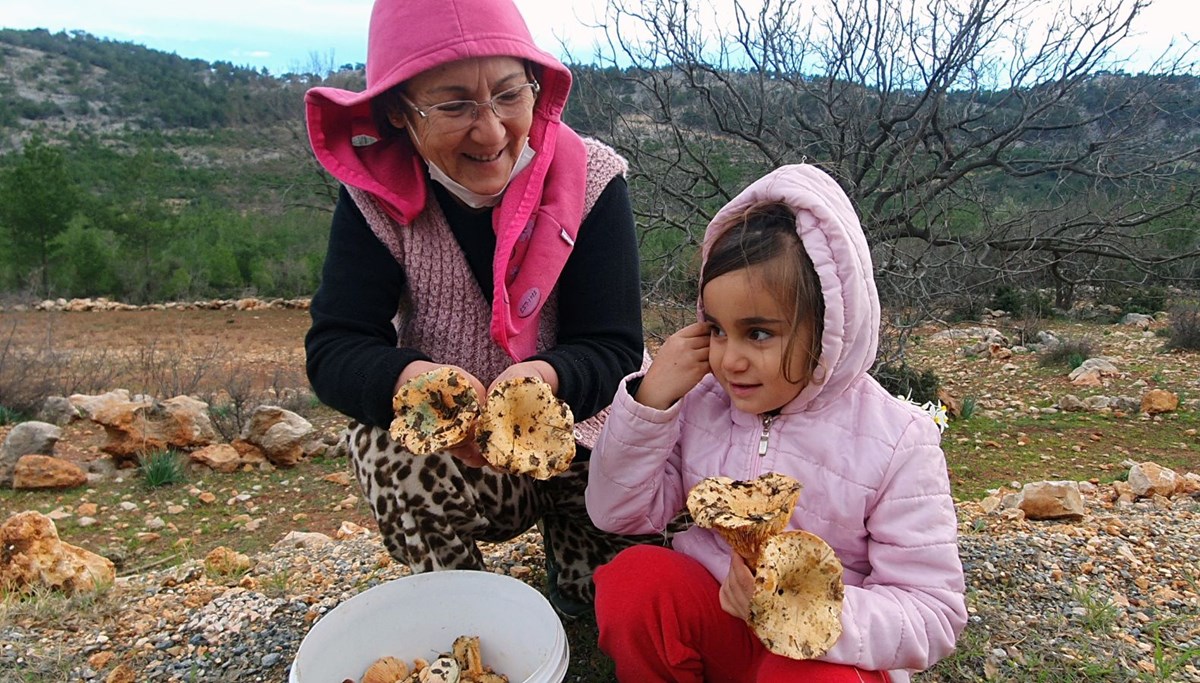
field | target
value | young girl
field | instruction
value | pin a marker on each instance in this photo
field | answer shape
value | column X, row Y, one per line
column 774, row 379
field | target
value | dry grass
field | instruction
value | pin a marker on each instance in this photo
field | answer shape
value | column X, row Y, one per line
column 235, row 357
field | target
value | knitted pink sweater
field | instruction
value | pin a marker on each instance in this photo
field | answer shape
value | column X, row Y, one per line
column 444, row 314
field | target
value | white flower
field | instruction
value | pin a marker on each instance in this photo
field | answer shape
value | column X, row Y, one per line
column 935, row 410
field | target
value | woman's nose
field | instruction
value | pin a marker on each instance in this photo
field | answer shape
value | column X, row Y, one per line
column 487, row 127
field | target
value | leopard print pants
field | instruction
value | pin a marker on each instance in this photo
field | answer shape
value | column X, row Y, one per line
column 431, row 511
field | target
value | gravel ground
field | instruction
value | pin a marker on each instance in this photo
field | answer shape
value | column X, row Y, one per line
column 1114, row 597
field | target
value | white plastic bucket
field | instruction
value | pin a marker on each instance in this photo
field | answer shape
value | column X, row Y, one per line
column 421, row 615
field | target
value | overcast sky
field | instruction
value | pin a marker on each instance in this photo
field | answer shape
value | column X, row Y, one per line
column 285, row 35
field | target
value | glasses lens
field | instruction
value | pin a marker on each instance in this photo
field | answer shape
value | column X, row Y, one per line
column 454, row 116
column 514, row 102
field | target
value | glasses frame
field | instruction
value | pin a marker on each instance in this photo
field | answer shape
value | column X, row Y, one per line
column 490, row 104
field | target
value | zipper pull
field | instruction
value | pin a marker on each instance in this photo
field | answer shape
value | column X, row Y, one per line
column 766, row 434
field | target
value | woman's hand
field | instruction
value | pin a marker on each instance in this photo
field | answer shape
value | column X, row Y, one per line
column 738, row 588
column 530, row 368
column 468, row 450
column 679, row 365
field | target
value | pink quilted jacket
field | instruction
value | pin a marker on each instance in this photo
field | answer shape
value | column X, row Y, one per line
column 874, row 476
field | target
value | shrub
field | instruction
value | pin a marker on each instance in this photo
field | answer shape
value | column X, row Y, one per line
column 8, row 416
column 967, row 411
column 965, row 308
column 163, row 468
column 1071, row 353
column 1185, row 327
column 901, row 380
column 1008, row 299
column 1146, row 300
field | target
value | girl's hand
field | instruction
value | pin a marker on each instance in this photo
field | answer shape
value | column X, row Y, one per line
column 679, row 365
column 738, row 588
column 468, row 450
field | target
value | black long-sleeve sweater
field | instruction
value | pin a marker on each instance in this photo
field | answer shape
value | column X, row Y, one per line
column 352, row 358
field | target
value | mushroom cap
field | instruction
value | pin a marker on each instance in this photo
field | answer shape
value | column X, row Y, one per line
column 435, row 410
column 525, row 429
column 386, row 670
column 442, row 670
column 796, row 610
column 744, row 513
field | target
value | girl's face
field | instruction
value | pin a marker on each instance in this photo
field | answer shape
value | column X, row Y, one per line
column 482, row 155
column 750, row 334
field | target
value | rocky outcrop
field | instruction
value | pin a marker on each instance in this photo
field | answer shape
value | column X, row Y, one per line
column 45, row 472
column 282, row 435
column 25, row 439
column 139, row 425
column 1051, row 500
column 1158, row 401
column 33, row 556
column 1093, row 372
column 103, row 304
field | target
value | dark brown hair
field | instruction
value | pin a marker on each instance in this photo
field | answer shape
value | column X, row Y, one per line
column 765, row 235
column 382, row 105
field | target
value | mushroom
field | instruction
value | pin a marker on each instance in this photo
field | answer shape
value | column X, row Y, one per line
column 525, row 429
column 444, row 669
column 744, row 513
column 386, row 670
column 435, row 410
column 796, row 609
column 470, row 661
column 467, row 653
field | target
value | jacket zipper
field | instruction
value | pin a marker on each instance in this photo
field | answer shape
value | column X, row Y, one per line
column 765, row 437
column 764, row 440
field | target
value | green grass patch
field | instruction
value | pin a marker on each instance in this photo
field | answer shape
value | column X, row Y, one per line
column 988, row 452
column 163, row 468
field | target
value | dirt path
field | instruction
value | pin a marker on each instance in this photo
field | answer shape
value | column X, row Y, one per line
column 157, row 351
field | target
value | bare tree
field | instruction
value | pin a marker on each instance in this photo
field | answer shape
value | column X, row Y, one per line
column 313, row 188
column 983, row 141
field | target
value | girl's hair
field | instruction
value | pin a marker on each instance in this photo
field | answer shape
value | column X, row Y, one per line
column 765, row 235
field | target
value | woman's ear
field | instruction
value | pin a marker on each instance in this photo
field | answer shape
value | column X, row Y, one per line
column 397, row 118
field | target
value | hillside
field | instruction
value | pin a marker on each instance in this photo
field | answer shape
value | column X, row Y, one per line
column 176, row 178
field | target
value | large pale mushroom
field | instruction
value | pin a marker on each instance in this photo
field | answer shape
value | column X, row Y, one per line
column 525, row 429
column 796, row 610
column 435, row 410
column 744, row 513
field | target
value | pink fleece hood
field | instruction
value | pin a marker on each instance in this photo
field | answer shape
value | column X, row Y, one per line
column 537, row 220
column 830, row 231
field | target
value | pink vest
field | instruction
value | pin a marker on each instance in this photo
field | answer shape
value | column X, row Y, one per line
column 443, row 312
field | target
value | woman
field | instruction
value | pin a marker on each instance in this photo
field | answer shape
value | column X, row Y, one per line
column 474, row 229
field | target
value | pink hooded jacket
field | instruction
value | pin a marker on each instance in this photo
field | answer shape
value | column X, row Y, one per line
column 874, row 476
column 539, row 216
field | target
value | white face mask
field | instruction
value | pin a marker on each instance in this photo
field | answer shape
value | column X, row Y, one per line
column 474, row 199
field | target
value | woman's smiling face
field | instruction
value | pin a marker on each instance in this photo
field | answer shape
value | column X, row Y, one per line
column 481, row 156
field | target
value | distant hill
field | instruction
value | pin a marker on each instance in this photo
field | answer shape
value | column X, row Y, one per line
column 76, row 77
column 154, row 152
column 172, row 178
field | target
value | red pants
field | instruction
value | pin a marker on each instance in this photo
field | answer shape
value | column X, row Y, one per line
column 660, row 619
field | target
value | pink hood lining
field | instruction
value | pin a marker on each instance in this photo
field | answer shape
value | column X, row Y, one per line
column 833, row 237
column 407, row 38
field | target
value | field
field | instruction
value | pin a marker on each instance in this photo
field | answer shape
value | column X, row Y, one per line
column 1012, row 436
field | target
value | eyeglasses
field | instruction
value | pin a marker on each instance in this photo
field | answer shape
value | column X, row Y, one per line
column 456, row 115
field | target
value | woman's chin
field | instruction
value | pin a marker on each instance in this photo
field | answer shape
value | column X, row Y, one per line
column 487, row 187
